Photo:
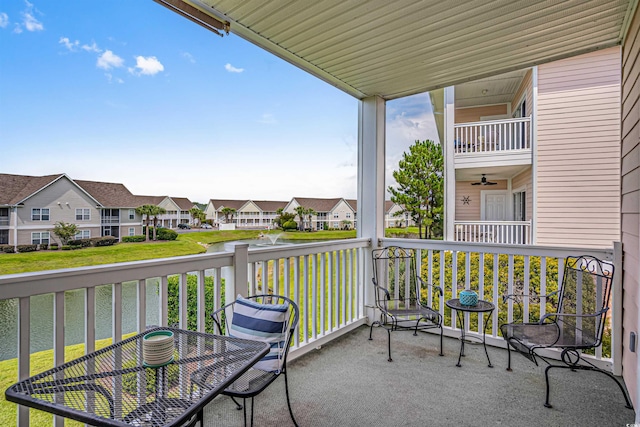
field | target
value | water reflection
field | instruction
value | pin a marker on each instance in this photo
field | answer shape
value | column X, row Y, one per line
column 41, row 334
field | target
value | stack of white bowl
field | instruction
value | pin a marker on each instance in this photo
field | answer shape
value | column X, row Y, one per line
column 157, row 347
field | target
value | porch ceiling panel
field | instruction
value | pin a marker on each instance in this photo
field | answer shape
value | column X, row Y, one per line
column 404, row 47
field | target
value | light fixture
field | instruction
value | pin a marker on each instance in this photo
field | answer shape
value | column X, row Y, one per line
column 196, row 15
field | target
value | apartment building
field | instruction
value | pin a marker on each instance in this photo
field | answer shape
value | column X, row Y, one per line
column 535, row 154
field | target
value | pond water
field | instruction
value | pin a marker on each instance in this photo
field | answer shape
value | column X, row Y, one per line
column 42, row 317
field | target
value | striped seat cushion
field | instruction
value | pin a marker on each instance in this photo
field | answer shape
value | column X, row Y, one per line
column 261, row 322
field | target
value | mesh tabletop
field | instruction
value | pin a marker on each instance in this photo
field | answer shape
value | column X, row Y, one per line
column 481, row 307
column 111, row 387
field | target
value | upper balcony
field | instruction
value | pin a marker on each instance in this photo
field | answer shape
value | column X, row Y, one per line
column 493, row 143
column 329, row 281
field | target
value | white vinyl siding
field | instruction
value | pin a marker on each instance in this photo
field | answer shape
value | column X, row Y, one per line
column 578, row 151
column 630, row 203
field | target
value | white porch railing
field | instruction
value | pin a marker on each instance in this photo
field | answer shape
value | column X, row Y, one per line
column 506, row 232
column 493, row 136
column 327, row 280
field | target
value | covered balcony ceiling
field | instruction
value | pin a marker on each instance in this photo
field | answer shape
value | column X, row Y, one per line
column 395, row 49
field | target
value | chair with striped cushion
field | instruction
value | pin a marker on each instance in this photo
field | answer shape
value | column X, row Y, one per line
column 268, row 318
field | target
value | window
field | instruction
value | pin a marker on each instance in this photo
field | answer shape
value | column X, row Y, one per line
column 132, row 231
column 40, row 238
column 4, row 237
column 83, row 234
column 83, row 214
column 132, row 215
column 40, row 214
column 336, row 215
column 348, row 215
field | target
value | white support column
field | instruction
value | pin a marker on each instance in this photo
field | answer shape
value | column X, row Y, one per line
column 371, row 183
column 449, row 165
column 534, row 154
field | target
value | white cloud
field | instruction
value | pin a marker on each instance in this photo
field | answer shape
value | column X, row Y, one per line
column 91, row 48
column 72, row 46
column 109, row 60
column 230, row 68
column 188, row 57
column 4, row 20
column 29, row 21
column 147, row 66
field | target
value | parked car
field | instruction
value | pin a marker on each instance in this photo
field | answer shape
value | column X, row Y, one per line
column 184, row 226
column 208, row 226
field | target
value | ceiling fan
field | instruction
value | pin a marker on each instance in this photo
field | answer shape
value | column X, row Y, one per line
column 484, row 181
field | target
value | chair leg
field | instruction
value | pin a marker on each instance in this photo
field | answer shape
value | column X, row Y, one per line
column 441, row 348
column 238, row 405
column 509, row 357
column 286, row 389
column 389, row 344
column 585, row 368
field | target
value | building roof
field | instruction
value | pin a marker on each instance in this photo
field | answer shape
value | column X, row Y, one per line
column 16, row 188
column 404, row 47
column 183, row 203
column 109, row 194
column 318, row 205
column 233, row 204
column 269, row 205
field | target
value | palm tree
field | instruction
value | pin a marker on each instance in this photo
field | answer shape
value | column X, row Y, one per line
column 197, row 215
column 310, row 213
column 146, row 211
column 228, row 212
column 301, row 211
column 157, row 210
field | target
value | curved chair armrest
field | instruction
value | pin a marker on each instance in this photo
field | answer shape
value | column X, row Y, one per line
column 429, row 285
column 386, row 292
column 599, row 313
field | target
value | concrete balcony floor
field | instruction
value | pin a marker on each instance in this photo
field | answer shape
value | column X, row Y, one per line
column 350, row 383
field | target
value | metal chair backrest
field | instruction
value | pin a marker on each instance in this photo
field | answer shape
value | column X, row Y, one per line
column 583, row 301
column 395, row 276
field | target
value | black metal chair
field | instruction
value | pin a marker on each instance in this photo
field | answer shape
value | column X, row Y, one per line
column 242, row 318
column 577, row 324
column 397, row 288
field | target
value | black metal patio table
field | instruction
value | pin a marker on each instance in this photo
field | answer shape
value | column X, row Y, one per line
column 113, row 386
column 480, row 308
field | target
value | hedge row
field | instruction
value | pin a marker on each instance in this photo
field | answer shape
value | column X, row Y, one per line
column 73, row 244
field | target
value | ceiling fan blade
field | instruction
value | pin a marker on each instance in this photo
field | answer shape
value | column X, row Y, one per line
column 476, row 183
column 490, row 183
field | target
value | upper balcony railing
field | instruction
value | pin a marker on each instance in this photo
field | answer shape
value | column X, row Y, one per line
column 4, row 220
column 493, row 136
column 110, row 219
column 507, row 232
column 328, row 280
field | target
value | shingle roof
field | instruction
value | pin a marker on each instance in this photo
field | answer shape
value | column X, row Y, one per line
column 183, row 203
column 269, row 205
column 318, row 205
column 109, row 194
column 15, row 188
column 233, row 204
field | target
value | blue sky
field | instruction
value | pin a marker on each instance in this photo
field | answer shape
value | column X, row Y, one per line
column 130, row 92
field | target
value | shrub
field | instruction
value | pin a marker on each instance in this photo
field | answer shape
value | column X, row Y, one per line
column 290, row 225
column 75, row 244
column 129, row 239
column 7, row 249
column 53, row 246
column 166, row 234
column 105, row 241
column 27, row 248
column 65, row 247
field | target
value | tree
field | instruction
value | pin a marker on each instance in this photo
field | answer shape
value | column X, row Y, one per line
column 155, row 211
column 65, row 231
column 197, row 215
column 228, row 212
column 310, row 213
column 145, row 211
column 420, row 186
column 282, row 218
column 301, row 211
